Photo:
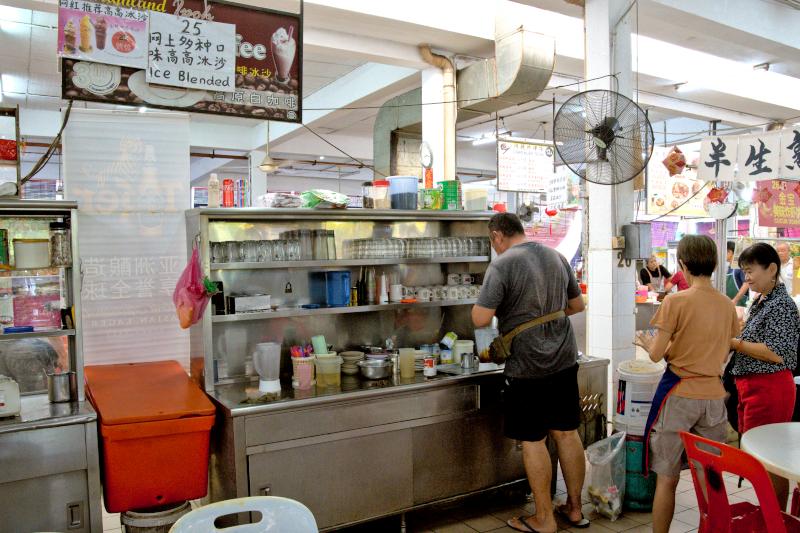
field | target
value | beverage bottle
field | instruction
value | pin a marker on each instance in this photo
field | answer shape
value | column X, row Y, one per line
column 213, row 191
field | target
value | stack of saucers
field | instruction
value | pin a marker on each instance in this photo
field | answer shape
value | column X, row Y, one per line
column 349, row 360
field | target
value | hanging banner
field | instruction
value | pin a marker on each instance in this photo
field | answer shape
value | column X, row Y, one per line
column 267, row 82
column 191, row 53
column 523, row 165
column 102, row 33
column 718, row 156
column 778, row 204
column 790, row 153
column 678, row 195
column 759, row 156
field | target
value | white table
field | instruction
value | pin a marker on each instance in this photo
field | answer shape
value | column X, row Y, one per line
column 777, row 447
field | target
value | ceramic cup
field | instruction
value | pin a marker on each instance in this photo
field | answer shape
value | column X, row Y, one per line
column 452, row 292
column 423, row 294
column 453, row 279
column 395, row 293
column 467, row 279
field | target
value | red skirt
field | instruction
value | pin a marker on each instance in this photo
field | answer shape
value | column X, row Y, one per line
column 765, row 399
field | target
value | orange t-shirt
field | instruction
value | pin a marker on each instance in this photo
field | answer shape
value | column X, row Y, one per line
column 701, row 322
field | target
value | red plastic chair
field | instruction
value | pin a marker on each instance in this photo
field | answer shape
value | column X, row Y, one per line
column 717, row 515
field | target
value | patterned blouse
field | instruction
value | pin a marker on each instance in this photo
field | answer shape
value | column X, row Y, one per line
column 773, row 321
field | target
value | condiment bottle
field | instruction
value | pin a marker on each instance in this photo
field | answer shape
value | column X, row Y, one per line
column 213, row 191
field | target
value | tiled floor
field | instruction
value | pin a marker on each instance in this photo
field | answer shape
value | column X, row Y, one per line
column 489, row 513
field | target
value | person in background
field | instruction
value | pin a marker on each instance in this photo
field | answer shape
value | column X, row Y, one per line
column 527, row 282
column 736, row 286
column 766, row 353
column 677, row 280
column 654, row 275
column 692, row 336
column 787, row 266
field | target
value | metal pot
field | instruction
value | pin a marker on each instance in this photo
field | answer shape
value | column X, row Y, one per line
column 375, row 368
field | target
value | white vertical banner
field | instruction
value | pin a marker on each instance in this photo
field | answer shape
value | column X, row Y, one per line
column 759, row 157
column 129, row 173
column 790, row 153
column 718, row 156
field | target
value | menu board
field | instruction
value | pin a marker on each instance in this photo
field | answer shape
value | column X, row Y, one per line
column 666, row 193
column 101, row 33
column 523, row 165
column 186, row 52
column 267, row 78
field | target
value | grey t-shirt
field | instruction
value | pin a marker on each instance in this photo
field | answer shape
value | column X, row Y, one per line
column 526, row 282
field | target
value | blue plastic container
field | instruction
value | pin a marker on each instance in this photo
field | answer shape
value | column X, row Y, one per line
column 330, row 289
column 639, row 489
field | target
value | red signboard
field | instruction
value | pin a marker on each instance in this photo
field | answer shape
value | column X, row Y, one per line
column 269, row 63
column 778, row 203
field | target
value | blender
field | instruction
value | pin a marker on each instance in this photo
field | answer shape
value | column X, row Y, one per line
column 267, row 362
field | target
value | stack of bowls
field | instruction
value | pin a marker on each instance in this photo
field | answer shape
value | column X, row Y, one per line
column 350, row 360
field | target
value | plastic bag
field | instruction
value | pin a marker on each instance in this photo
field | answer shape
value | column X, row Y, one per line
column 607, row 475
column 191, row 294
column 324, row 199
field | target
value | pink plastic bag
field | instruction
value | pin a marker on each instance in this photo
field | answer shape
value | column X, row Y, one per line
column 190, row 296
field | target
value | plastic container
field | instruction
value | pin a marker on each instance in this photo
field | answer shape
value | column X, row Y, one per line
column 155, row 425
column 60, row 245
column 461, row 348
column 330, row 289
column 638, row 381
column 329, row 370
column 476, row 199
column 403, row 192
column 380, row 194
column 483, row 340
column 9, row 397
column 641, row 294
column 450, row 194
column 303, row 372
column 31, row 253
column 407, row 363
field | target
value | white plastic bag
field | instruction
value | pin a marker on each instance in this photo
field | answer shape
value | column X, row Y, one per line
column 607, row 475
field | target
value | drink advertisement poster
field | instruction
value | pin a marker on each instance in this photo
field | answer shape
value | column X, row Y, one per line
column 267, row 78
column 102, row 33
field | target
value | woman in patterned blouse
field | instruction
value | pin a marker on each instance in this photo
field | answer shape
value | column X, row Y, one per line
column 766, row 353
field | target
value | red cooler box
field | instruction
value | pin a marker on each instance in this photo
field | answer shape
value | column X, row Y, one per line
column 154, row 425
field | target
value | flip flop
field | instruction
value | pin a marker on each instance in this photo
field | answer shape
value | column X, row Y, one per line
column 583, row 523
column 522, row 520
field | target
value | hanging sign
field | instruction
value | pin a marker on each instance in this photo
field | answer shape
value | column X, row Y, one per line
column 523, row 165
column 186, row 52
column 718, row 156
column 267, row 75
column 778, row 204
column 102, row 33
column 557, row 188
column 678, row 195
column 790, row 153
column 759, row 156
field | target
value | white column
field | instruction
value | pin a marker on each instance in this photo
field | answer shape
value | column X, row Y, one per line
column 611, row 320
column 433, row 118
column 258, row 178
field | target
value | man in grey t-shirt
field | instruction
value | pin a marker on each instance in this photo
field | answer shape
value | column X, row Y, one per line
column 525, row 282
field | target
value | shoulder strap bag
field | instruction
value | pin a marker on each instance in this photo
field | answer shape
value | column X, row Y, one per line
column 500, row 349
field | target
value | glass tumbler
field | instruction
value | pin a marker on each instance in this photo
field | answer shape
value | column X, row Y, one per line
column 218, row 252
column 293, row 250
column 234, row 253
column 279, row 250
column 264, row 251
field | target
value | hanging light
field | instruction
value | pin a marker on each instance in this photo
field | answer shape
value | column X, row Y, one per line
column 268, row 164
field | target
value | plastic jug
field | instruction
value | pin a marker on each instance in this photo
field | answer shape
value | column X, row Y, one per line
column 331, row 289
column 267, row 362
column 403, row 192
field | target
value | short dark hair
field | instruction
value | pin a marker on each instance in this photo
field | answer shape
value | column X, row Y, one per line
column 698, row 253
column 506, row 223
column 731, row 246
column 762, row 254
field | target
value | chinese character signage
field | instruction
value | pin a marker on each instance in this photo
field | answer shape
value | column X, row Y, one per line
column 266, row 57
column 759, row 156
column 718, row 158
column 191, row 53
column 790, row 153
column 778, row 203
column 523, row 166
column 678, row 195
column 102, row 33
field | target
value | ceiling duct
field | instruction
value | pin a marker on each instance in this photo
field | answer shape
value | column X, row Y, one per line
column 518, row 73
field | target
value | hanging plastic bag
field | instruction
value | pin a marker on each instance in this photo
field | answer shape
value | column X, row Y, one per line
column 607, row 475
column 675, row 161
column 192, row 293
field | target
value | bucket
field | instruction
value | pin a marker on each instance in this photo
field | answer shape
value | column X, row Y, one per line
column 638, row 381
column 158, row 521
column 403, row 192
column 639, row 490
column 635, row 430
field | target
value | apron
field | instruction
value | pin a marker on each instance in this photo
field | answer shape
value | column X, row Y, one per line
column 669, row 381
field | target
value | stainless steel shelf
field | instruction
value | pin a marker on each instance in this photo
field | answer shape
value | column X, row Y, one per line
column 243, row 317
column 348, row 262
column 259, row 213
column 38, row 334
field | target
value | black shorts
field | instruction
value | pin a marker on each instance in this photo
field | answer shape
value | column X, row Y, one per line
column 534, row 406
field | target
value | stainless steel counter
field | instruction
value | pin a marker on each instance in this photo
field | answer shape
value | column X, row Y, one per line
column 49, row 468
column 37, row 412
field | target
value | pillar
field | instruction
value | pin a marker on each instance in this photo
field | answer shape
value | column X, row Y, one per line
column 433, row 118
column 611, row 320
